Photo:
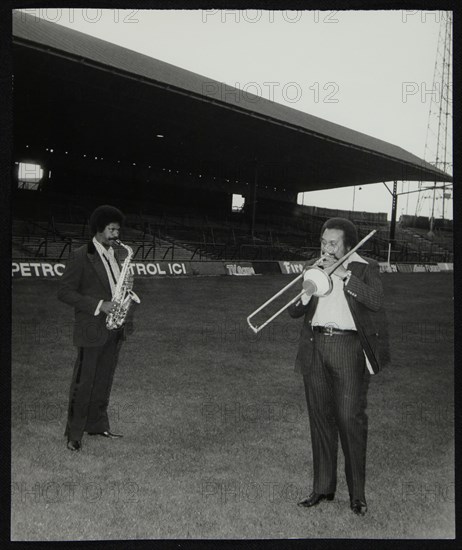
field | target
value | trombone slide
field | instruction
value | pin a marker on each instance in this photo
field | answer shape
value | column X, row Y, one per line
column 304, row 291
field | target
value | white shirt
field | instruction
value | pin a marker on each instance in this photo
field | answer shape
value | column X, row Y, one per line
column 110, row 263
column 333, row 309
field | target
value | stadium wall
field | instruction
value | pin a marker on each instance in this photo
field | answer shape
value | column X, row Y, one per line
column 54, row 270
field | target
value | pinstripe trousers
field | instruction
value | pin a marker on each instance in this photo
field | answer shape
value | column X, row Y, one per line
column 336, row 387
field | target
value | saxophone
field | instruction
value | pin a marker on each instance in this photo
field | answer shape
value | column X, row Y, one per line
column 123, row 293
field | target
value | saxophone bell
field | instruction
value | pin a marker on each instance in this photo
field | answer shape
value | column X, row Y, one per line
column 133, row 297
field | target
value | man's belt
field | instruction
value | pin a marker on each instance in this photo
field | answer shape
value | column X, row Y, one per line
column 331, row 331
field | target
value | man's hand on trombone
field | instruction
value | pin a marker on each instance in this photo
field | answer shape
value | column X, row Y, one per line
column 327, row 261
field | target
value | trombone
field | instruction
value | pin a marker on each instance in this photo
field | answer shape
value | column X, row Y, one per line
column 318, row 283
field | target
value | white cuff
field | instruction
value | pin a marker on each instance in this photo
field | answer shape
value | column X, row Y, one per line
column 98, row 309
column 305, row 299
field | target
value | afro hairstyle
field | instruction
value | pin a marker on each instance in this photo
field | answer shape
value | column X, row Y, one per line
column 103, row 216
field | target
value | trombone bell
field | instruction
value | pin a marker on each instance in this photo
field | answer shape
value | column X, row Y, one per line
column 316, row 282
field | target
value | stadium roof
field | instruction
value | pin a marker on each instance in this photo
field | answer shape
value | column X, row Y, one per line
column 82, row 93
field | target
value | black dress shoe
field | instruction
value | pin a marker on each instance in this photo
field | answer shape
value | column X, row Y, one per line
column 74, row 445
column 316, row 498
column 106, row 434
column 359, row 507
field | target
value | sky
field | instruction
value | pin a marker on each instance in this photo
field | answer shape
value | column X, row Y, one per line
column 371, row 71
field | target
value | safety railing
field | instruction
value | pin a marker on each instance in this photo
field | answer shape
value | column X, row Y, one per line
column 151, row 248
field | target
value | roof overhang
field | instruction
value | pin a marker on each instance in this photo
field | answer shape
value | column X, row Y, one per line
column 78, row 93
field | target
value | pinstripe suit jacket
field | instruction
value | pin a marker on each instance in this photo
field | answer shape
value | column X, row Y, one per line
column 83, row 284
column 364, row 295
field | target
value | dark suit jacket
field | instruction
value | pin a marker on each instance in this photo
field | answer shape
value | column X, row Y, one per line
column 364, row 295
column 83, row 284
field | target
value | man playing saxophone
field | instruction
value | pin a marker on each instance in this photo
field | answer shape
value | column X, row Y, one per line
column 89, row 284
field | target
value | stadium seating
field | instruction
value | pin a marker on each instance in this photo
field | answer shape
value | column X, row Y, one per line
column 283, row 231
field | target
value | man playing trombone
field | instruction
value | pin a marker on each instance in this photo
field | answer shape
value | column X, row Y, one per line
column 338, row 351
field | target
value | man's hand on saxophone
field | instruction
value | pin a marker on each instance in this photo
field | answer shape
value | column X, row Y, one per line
column 107, row 307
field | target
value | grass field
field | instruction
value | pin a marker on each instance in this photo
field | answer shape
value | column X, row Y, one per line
column 216, row 436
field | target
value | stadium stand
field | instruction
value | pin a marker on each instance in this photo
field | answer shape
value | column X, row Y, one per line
column 51, row 229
